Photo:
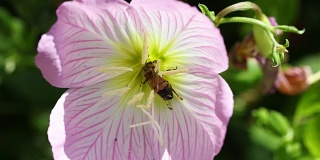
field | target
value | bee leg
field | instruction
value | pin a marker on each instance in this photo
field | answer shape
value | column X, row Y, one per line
column 168, row 105
column 144, row 82
column 176, row 94
column 172, row 69
column 140, row 71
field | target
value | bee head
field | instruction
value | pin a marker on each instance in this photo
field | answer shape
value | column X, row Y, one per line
column 149, row 68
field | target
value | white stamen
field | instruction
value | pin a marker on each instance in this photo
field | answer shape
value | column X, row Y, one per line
column 174, row 71
column 158, row 132
column 156, row 128
column 136, row 98
column 157, row 69
column 116, row 92
column 114, row 69
column 144, row 48
column 140, row 124
column 143, row 106
column 147, row 113
column 150, row 99
column 155, row 125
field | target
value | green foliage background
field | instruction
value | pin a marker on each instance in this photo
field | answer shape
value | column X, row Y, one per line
column 26, row 99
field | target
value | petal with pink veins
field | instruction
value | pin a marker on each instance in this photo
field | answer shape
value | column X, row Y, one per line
column 112, row 5
column 188, row 39
column 86, row 125
column 165, row 5
column 196, row 126
column 82, row 40
column 95, row 49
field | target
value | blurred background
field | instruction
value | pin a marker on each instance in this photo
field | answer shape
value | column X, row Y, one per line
column 288, row 127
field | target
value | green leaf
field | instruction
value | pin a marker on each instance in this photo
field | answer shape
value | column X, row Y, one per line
column 288, row 151
column 279, row 123
column 266, row 139
column 308, row 106
column 273, row 122
column 311, row 136
column 240, row 80
column 307, row 121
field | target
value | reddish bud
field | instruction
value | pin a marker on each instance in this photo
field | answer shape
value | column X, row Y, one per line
column 293, row 80
column 243, row 50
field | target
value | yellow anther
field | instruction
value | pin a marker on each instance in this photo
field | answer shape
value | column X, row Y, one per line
column 137, row 98
column 150, row 99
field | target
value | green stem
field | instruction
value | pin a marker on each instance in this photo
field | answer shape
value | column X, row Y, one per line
column 268, row 29
column 241, row 6
column 246, row 20
column 210, row 14
column 274, row 41
column 291, row 29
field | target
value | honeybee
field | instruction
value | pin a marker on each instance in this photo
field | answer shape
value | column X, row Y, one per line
column 161, row 86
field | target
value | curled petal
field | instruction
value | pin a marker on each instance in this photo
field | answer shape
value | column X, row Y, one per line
column 47, row 58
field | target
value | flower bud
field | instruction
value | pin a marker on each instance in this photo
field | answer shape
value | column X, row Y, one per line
column 263, row 41
column 293, row 80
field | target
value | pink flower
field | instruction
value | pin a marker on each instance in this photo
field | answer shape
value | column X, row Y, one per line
column 97, row 49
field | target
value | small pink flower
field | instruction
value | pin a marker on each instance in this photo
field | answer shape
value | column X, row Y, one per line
column 97, row 49
column 273, row 22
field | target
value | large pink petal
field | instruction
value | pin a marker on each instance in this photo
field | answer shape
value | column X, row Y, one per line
column 105, row 4
column 85, row 125
column 224, row 107
column 166, row 5
column 185, row 38
column 82, row 40
column 196, row 127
